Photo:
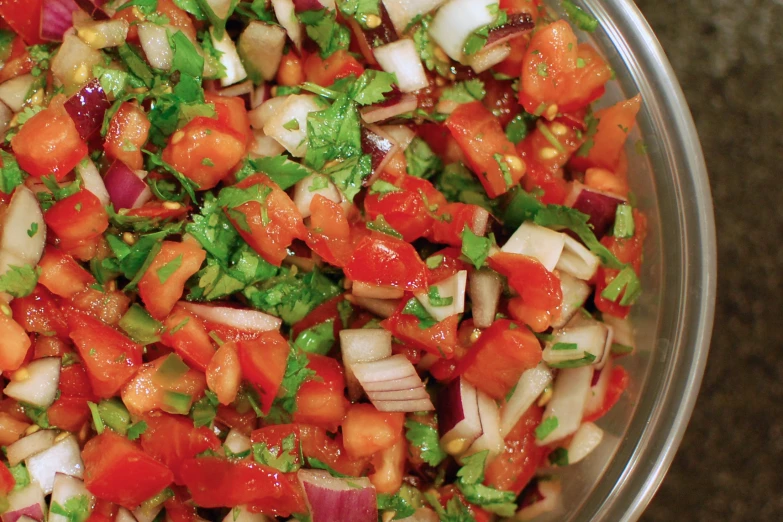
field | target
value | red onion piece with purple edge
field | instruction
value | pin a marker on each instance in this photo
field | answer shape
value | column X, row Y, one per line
column 307, row 5
column 600, row 206
column 56, row 18
column 34, row 511
column 87, row 108
column 517, row 25
column 379, row 146
column 344, row 499
column 123, row 185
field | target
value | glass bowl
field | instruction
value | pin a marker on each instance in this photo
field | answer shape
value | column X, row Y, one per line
column 673, row 319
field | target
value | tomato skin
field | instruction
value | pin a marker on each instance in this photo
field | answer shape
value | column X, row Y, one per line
column 538, row 287
column 367, row 431
column 330, row 232
column 48, row 143
column 440, row 339
column 618, row 383
column 316, row 443
column 502, row 353
column 263, row 361
column 80, row 216
column 127, row 133
column 321, row 401
column 501, row 99
column 586, row 82
column 61, row 274
column 146, row 391
column 172, row 439
column 224, row 373
column 548, row 62
column 190, row 340
column 272, row 239
column 39, row 313
column 386, row 261
column 513, row 469
column 404, row 210
column 109, row 357
column 108, row 306
column 217, row 482
column 69, row 413
column 161, row 293
column 325, row 72
column 23, row 17
column 117, row 470
column 454, row 217
column 231, row 112
column 480, row 136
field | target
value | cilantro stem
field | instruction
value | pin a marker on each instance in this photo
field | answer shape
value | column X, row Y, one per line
column 320, row 91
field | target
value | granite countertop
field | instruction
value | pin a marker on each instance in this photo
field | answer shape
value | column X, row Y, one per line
column 728, row 55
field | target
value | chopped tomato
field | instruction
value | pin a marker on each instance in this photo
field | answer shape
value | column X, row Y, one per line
column 117, row 470
column 80, row 216
column 185, row 333
column 382, row 260
column 69, row 413
column 127, row 133
column 17, row 61
column 502, row 353
column 538, row 286
column 513, row 469
column 11, row 429
column 154, row 388
column 48, row 143
column 290, row 72
column 74, row 382
column 317, row 444
column 439, row 339
column 489, row 154
column 274, row 435
column 321, row 400
column 618, row 382
column 224, row 373
column 231, row 112
column 389, row 464
column 501, row 99
column 205, row 150
column 586, row 83
column 326, row 311
column 24, row 18
column 39, row 313
column 243, row 422
column 269, row 228
column 107, row 306
column 162, row 284
column 405, row 210
column 330, row 231
column 61, row 274
column 263, row 362
column 367, row 431
column 452, row 219
column 449, row 263
column 7, row 481
column 325, row 72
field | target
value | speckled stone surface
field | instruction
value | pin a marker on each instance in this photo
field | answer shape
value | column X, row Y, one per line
column 728, row 55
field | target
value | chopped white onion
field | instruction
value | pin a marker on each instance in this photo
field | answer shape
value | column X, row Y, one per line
column 154, row 40
column 598, row 389
column 485, row 287
column 246, row 320
column 402, row 12
column 147, row 512
column 385, row 111
column 393, row 374
column 286, row 15
column 66, row 488
column 456, row 21
column 17, row 248
column 360, row 289
column 577, row 260
column 530, row 385
column 26, row 502
column 30, row 445
column 236, row 442
column 239, row 89
column 261, row 47
column 124, row 515
column 362, row 345
column 6, row 115
column 584, row 441
column 229, row 59
column 39, row 384
column 93, row 182
column 104, row 33
column 63, row 457
column 259, row 95
column 490, row 57
column 536, row 241
column 404, row 406
column 402, row 59
column 264, row 146
column 589, row 342
column 409, row 394
column 266, row 111
column 296, row 108
column 623, row 330
column 452, row 287
column 458, row 416
column 402, row 134
column 380, row 307
column 403, row 383
column 242, row 514
column 73, row 63
column 567, row 403
column 389, row 369
column 480, row 222
column 14, row 92
column 491, row 438
column 550, row 492
column 575, row 293
column 314, row 185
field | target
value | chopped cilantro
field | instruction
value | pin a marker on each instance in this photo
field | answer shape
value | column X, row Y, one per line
column 96, row 417
column 623, row 222
column 317, row 339
column 349, row 175
column 381, row 225
column 546, row 427
column 292, row 295
column 471, row 474
column 404, row 502
column 475, row 248
column 427, row 439
column 422, row 161
column 427, row 48
column 583, row 21
column 19, row 281
column 11, row 175
column 284, row 458
column 478, row 39
column 322, row 27
column 359, row 10
column 434, row 262
column 559, row 457
column 436, row 300
column 318, row 464
column 281, row 170
column 76, row 509
column 458, row 184
column 383, row 187
column 20, row 474
column 218, row 21
column 296, row 373
column 517, row 128
column 465, row 92
column 413, row 307
column 137, row 430
column 169, row 269
column 626, row 283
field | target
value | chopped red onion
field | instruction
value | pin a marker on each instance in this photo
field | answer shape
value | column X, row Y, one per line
column 313, row 5
column 125, row 188
column 96, row 9
column 346, row 499
column 600, row 206
column 26, row 502
column 458, row 416
column 245, row 320
column 516, row 25
column 393, row 106
column 380, row 146
column 57, row 18
column 489, row 57
column 87, row 108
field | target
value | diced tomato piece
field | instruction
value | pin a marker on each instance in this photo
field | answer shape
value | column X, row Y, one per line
column 502, row 353
column 104, row 511
column 74, row 382
column 321, row 400
column 11, row 429
column 449, row 264
column 317, row 444
column 586, row 81
column 367, row 431
column 108, row 306
column 156, row 210
column 452, row 219
column 263, row 362
column 179, row 508
column 110, row 358
column 291, row 500
column 80, row 216
column 501, row 99
column 16, row 343
column 614, row 125
column 386, row 261
column 224, row 373
column 69, row 413
column 17, row 60
column 618, row 383
column 48, row 143
column 127, row 133
column 173, row 439
column 439, row 339
column 389, row 464
column 40, row 313
column 7, row 481
column 24, row 18
column 290, row 71
column 513, row 469
column 340, row 64
column 404, row 210
column 531, row 7
column 177, row 17
column 231, row 111
column 117, row 470
column 150, row 389
column 269, row 230
column 186, row 334
column 61, row 274
column 81, row 249
column 538, row 286
column 273, row 437
column 330, row 231
column 205, row 150
column 162, row 284
column 489, row 153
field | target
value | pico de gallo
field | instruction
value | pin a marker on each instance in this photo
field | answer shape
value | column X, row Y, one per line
column 307, row 260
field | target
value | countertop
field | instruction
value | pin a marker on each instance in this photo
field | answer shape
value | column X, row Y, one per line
column 728, row 55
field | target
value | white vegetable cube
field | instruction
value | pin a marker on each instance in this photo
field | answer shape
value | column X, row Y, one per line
column 403, row 12
column 289, row 123
column 63, row 457
column 590, row 338
column 456, row 21
column 575, row 293
column 531, row 384
column 536, row 241
column 402, row 59
column 286, row 15
column 261, row 46
column 490, row 439
column 563, row 413
column 314, row 185
column 584, row 441
column 65, row 488
column 447, row 297
column 577, row 260
column 38, row 382
column 236, row 442
column 229, row 58
column 154, row 40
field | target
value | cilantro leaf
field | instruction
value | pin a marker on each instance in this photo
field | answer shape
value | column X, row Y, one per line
column 217, row 20
column 137, row 430
column 478, row 39
column 381, row 225
column 20, row 474
column 169, row 269
column 283, row 171
column 546, row 427
column 292, row 295
column 147, row 7
column 333, row 133
column 583, row 21
column 427, row 439
column 284, row 457
column 497, row 501
column 349, row 175
column 413, row 307
column 458, row 184
column 422, row 161
column 296, row 373
column 136, row 64
column 76, row 509
column 427, row 48
column 186, row 59
column 316, row 339
column 19, row 281
column 465, row 92
column 475, row 248
column 11, row 175
column 192, row 7
column 318, row 464
column 359, row 10
column 404, row 502
column 322, row 27
column 472, row 470
column 371, row 87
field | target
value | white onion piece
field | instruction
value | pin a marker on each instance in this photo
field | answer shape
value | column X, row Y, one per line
column 65, row 488
column 63, row 457
column 530, row 385
column 306, row 190
column 402, row 134
column 329, row 498
column 123, row 515
column 229, row 59
column 490, row 439
column 263, row 146
column 93, row 182
column 458, row 416
column 402, row 59
column 489, row 57
column 155, row 43
column 454, row 287
column 404, row 383
column 551, row 499
column 360, row 289
column 242, row 514
column 402, row 12
column 147, row 512
column 26, row 502
column 480, row 223
column 404, row 406
column 17, row 248
column 237, row 442
column 567, row 403
column 623, row 330
column 598, row 389
column 591, row 337
column 239, row 89
column 409, row 394
column 14, row 92
column 575, row 293
column 6, row 115
column 25, row 518
column 39, row 388
column 385, row 111
column 577, row 260
column 30, row 445
column 484, row 287
column 381, row 307
column 584, row 441
column 73, row 63
column 104, row 33
column 247, row 320
column 397, row 375
column 456, row 21
column 286, row 15
column 389, row 369
column 259, row 95
column 296, row 107
column 261, row 47
column 536, row 241
column 266, row 111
